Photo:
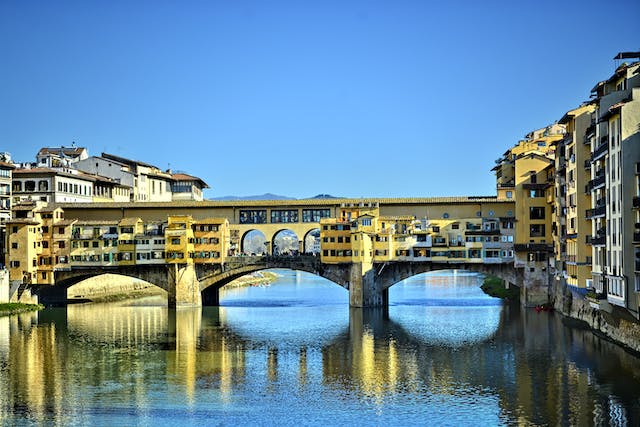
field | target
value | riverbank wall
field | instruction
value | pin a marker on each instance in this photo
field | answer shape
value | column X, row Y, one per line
column 615, row 324
column 4, row 286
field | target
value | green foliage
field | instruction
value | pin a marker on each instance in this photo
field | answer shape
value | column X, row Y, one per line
column 493, row 286
column 16, row 307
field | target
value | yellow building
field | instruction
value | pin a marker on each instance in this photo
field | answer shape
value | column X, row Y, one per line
column 210, row 240
column 203, row 241
column 94, row 243
column 128, row 229
column 364, row 237
column 38, row 242
column 572, row 203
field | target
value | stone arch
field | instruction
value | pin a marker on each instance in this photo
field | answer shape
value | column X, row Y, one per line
column 391, row 273
column 311, row 242
column 285, row 242
column 251, row 242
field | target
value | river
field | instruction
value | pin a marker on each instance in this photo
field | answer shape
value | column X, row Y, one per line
column 294, row 353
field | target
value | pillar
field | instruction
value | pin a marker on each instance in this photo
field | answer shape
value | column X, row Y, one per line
column 364, row 288
column 211, row 296
column 184, row 287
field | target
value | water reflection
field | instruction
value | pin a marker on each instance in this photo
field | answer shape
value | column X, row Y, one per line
column 262, row 363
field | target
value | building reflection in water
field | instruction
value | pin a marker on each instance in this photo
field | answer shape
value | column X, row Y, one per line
column 502, row 361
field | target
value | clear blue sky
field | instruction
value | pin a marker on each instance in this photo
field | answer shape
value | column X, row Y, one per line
column 351, row 98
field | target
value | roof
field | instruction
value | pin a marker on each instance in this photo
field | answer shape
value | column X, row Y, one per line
column 66, row 151
column 80, row 223
column 129, row 221
column 185, row 177
column 47, row 171
column 28, row 221
column 126, row 161
column 7, row 165
column 280, row 203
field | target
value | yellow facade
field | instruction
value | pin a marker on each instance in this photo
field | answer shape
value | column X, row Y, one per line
column 94, row 243
column 179, row 239
column 211, row 240
column 368, row 238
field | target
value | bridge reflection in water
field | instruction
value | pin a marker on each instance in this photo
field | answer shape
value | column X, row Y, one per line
column 72, row 363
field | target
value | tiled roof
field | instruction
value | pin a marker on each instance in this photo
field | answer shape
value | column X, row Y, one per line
column 292, row 203
column 67, row 151
column 185, row 177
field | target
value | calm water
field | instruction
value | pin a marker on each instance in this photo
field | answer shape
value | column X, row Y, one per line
column 294, row 353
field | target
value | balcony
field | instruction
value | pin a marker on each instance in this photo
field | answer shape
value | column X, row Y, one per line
column 600, row 151
column 636, row 202
column 596, row 212
column 587, row 163
column 541, row 186
column 595, row 183
column 591, row 130
column 483, row 232
column 598, row 240
column 537, row 247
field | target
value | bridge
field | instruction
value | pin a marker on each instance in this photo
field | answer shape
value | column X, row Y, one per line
column 199, row 284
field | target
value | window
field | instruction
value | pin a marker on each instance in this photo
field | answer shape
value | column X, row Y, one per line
column 175, row 241
column 536, row 230
column 536, row 193
column 281, row 216
column 14, row 245
column 314, row 215
column 536, row 212
column 253, row 216
column 445, row 215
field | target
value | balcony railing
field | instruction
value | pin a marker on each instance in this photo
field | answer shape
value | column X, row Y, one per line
column 540, row 247
column 595, row 183
column 600, row 151
column 598, row 240
column 596, row 212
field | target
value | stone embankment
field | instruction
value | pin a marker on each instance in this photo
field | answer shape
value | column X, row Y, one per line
column 616, row 324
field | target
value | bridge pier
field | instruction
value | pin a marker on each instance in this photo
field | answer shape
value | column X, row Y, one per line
column 183, row 286
column 365, row 289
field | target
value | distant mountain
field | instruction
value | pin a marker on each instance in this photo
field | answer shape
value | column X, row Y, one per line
column 325, row 196
column 267, row 196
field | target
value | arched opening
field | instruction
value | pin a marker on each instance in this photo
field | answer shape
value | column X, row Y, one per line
column 285, row 242
column 253, row 243
column 312, row 242
column 449, row 306
column 114, row 287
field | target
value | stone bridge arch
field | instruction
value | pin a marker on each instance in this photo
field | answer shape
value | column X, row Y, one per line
column 388, row 274
column 65, row 279
column 213, row 280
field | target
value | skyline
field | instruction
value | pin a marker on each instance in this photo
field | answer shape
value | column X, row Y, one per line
column 361, row 100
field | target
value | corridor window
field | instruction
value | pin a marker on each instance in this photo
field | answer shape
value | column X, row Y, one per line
column 314, row 215
column 284, row 216
column 253, row 216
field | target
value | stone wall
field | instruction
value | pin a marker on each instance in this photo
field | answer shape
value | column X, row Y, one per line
column 619, row 326
column 4, row 286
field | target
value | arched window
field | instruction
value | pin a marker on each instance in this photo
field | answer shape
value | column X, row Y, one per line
column 30, row 186
column 43, row 185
